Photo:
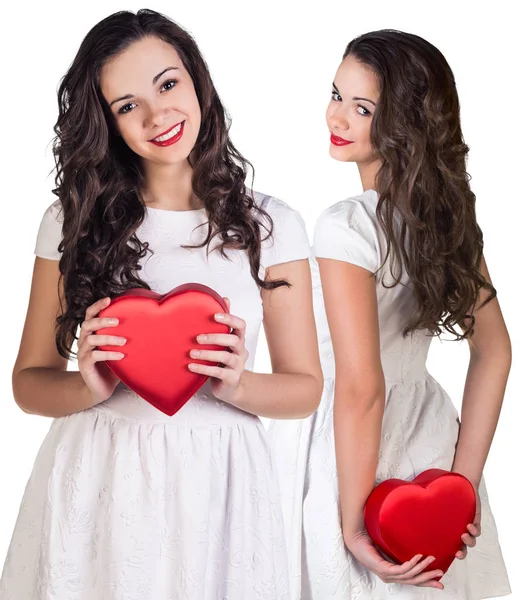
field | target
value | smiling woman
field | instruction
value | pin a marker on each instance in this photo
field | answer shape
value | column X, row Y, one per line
column 125, row 501
column 113, row 159
column 349, row 114
column 160, row 112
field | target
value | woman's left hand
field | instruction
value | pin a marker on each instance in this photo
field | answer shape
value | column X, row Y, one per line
column 226, row 377
column 474, row 530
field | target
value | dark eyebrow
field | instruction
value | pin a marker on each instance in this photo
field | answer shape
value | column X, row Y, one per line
column 154, row 81
column 156, row 78
column 355, row 98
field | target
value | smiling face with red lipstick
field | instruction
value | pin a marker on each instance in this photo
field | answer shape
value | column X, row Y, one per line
column 350, row 114
column 153, row 101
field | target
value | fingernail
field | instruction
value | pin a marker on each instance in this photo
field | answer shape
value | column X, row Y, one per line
column 114, row 321
column 192, row 366
column 219, row 316
column 202, row 338
column 432, row 559
column 195, row 353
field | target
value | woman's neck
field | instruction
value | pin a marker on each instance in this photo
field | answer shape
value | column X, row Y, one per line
column 368, row 172
column 170, row 187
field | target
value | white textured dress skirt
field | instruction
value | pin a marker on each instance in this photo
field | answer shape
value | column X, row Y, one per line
column 127, row 503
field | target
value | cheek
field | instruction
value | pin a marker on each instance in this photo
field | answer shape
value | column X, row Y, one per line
column 364, row 128
column 187, row 102
column 196, row 116
column 195, row 112
column 330, row 111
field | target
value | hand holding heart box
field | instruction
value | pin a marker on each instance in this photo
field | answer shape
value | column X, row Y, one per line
column 427, row 516
column 160, row 331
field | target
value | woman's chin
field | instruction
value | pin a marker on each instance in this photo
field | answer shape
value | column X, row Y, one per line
column 340, row 153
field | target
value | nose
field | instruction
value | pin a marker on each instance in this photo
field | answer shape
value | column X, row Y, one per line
column 155, row 116
column 337, row 119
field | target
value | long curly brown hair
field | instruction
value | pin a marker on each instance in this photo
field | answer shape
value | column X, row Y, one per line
column 417, row 134
column 98, row 177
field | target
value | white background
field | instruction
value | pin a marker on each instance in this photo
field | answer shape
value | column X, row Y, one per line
column 273, row 64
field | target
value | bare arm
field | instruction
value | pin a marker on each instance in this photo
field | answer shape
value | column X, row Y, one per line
column 294, row 388
column 489, row 366
column 351, row 308
column 41, row 383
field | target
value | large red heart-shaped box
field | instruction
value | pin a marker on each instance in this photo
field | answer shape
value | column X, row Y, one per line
column 427, row 515
column 160, row 331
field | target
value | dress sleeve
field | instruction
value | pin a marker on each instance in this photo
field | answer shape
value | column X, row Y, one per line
column 289, row 240
column 347, row 232
column 50, row 233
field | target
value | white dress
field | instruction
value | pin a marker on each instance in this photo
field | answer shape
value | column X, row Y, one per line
column 420, row 430
column 127, row 503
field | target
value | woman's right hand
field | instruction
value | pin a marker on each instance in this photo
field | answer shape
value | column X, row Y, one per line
column 99, row 379
column 411, row 572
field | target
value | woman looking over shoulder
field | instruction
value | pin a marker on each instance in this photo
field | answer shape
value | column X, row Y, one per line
column 399, row 263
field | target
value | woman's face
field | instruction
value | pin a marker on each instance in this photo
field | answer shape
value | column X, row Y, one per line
column 153, row 101
column 350, row 112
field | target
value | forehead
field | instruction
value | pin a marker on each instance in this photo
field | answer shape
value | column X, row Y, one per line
column 137, row 65
column 356, row 79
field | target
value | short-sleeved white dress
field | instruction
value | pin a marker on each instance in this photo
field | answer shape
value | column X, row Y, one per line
column 127, row 503
column 420, row 430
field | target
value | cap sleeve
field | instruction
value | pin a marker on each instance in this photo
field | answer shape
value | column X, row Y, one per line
column 289, row 240
column 50, row 233
column 347, row 232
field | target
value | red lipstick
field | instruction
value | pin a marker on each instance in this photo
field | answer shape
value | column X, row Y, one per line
column 338, row 141
column 171, row 140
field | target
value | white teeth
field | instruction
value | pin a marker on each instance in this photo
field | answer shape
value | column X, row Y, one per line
column 170, row 134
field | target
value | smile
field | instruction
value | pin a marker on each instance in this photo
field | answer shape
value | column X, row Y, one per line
column 170, row 136
column 338, row 141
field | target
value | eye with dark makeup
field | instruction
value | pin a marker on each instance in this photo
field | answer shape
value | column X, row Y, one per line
column 173, row 81
column 367, row 113
column 123, row 110
column 336, row 96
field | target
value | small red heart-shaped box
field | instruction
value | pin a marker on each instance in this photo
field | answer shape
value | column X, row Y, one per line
column 160, row 331
column 427, row 516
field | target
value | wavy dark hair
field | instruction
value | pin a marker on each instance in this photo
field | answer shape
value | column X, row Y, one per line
column 416, row 132
column 98, row 178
